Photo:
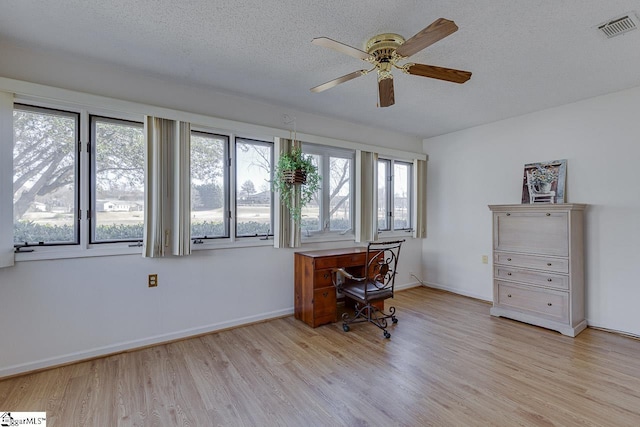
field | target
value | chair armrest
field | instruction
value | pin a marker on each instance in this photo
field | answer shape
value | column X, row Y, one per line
column 348, row 275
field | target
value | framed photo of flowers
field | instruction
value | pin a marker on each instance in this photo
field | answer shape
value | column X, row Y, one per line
column 544, row 182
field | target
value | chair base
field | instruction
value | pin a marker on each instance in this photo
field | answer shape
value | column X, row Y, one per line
column 372, row 314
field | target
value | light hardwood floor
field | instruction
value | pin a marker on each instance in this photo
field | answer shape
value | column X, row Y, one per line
column 448, row 363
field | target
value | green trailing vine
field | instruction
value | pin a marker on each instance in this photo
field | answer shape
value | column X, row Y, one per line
column 293, row 167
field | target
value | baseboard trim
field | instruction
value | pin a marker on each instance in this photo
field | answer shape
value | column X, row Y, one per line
column 81, row 356
column 407, row 286
column 457, row 291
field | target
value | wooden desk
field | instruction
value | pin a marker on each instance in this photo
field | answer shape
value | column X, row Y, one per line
column 315, row 296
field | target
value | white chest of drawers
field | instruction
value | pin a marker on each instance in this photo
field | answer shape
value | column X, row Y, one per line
column 538, row 265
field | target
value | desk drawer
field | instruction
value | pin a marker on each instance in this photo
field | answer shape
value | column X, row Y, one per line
column 340, row 261
column 324, row 302
column 545, row 303
column 557, row 265
column 550, row 280
column 322, row 278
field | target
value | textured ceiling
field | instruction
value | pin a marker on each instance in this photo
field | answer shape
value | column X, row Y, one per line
column 525, row 55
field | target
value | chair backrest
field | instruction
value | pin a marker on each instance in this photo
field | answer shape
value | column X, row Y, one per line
column 382, row 261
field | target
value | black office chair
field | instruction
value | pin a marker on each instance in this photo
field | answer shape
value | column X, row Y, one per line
column 376, row 286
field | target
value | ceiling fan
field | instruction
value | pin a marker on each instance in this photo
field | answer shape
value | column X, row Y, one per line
column 384, row 51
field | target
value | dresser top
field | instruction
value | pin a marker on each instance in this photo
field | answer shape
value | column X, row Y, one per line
column 542, row 207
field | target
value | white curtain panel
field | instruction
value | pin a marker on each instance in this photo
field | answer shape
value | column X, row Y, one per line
column 420, row 197
column 367, row 198
column 6, row 180
column 167, row 188
column 181, row 239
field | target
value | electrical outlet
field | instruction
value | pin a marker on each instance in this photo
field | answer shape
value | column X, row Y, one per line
column 485, row 259
column 153, row 280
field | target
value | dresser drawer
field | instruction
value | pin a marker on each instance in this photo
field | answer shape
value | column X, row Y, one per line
column 534, row 232
column 544, row 303
column 551, row 280
column 557, row 265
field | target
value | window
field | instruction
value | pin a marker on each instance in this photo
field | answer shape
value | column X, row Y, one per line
column 209, row 185
column 45, row 176
column 253, row 196
column 117, row 190
column 394, row 195
column 332, row 209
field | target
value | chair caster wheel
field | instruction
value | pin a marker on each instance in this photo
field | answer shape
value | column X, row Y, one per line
column 387, row 334
column 394, row 320
column 345, row 328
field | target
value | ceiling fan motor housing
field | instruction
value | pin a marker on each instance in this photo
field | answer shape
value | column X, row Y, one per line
column 383, row 49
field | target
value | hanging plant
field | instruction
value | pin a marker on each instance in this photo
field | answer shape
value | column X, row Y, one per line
column 295, row 173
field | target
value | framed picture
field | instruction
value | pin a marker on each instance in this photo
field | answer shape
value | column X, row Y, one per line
column 544, row 182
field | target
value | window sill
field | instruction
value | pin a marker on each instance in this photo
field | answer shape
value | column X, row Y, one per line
column 404, row 234
column 76, row 252
column 243, row 242
column 329, row 237
column 49, row 253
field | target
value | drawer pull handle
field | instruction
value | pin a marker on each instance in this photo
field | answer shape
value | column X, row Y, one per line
column 549, row 264
column 325, row 294
column 508, row 274
column 326, row 275
column 508, row 214
column 549, row 304
column 509, row 295
column 549, row 280
column 548, row 214
column 508, row 259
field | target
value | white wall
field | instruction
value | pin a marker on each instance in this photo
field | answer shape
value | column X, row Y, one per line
column 56, row 311
column 470, row 169
column 99, row 79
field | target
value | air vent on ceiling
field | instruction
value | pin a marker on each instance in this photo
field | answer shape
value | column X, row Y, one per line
column 620, row 25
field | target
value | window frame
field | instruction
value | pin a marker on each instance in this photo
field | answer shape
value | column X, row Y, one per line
column 84, row 103
column 233, row 187
column 226, row 187
column 92, row 196
column 77, row 210
column 389, row 203
column 326, row 153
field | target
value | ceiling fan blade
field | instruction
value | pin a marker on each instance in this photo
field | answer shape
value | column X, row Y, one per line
column 341, row 47
column 385, row 91
column 336, row 82
column 441, row 73
column 438, row 30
